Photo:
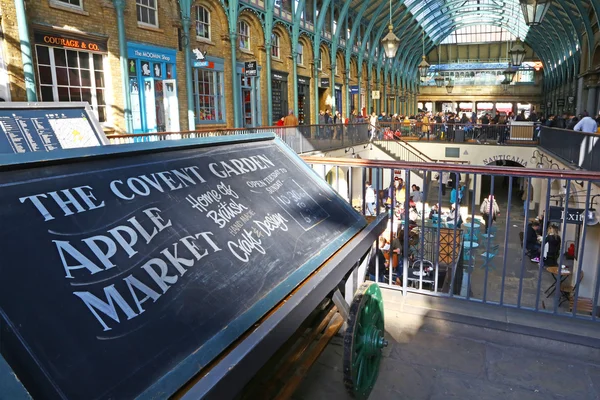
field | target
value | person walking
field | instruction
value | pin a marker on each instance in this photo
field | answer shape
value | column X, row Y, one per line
column 291, row 119
column 374, row 122
column 489, row 207
column 424, row 127
column 369, row 199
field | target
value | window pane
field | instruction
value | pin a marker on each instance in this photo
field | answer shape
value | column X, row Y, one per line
column 86, row 79
column 45, row 75
column 60, row 57
column 63, row 94
column 98, row 65
column 75, row 94
column 62, row 77
column 43, row 55
column 84, row 60
column 47, row 94
column 74, row 77
column 72, row 59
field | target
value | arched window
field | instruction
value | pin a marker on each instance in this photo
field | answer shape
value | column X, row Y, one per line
column 244, row 35
column 202, row 23
column 275, row 46
column 300, row 54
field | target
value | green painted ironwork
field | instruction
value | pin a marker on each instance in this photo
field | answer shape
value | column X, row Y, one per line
column 120, row 8
column 26, row 52
column 185, row 8
column 232, row 19
column 363, row 341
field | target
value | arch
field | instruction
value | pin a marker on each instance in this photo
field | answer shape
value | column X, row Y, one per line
column 257, row 37
column 596, row 58
column 285, row 44
column 308, row 54
column 219, row 24
column 340, row 62
column 325, row 59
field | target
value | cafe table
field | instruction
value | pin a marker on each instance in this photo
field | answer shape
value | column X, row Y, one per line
column 564, row 274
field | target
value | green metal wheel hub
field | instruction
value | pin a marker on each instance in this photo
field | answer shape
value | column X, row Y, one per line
column 363, row 341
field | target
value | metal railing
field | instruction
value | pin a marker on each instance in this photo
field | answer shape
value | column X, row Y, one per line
column 578, row 148
column 455, row 255
column 459, row 132
column 301, row 139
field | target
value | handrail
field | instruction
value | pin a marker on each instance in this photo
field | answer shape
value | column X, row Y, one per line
column 414, row 149
column 455, row 168
column 221, row 129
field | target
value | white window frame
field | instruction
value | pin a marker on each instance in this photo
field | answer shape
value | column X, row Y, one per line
column 207, row 23
column 67, row 3
column 300, row 54
column 155, row 9
column 93, row 88
column 276, row 46
column 240, row 34
column 320, row 67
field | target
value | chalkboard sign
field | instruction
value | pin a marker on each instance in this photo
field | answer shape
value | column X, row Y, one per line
column 125, row 274
column 27, row 127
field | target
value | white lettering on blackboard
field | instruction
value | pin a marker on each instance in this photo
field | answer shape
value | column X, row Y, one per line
column 65, row 204
column 244, row 247
column 68, row 252
column 226, row 213
column 271, row 223
column 160, row 273
column 226, row 169
column 143, row 185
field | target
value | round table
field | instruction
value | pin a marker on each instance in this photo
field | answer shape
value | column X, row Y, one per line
column 471, row 245
column 564, row 274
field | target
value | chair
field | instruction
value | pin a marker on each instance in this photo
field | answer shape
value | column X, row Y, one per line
column 489, row 255
column 527, row 251
column 492, row 231
column 567, row 291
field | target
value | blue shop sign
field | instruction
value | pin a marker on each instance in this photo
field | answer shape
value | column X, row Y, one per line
column 213, row 63
column 147, row 52
column 353, row 89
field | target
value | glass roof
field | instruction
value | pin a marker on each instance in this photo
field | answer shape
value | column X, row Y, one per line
column 440, row 17
column 479, row 34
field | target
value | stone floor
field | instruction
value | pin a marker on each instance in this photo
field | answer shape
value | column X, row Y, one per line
column 458, row 361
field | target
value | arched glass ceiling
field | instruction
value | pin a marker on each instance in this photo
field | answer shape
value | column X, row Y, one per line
column 479, row 34
column 440, row 17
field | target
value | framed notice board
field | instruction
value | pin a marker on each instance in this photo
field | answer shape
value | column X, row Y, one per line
column 30, row 127
column 126, row 271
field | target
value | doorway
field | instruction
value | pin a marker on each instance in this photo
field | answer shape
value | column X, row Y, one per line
column 250, row 101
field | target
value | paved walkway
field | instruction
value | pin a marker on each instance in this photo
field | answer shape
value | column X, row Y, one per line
column 457, row 361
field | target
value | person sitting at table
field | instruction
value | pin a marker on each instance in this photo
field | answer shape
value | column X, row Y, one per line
column 434, row 212
column 396, row 251
column 552, row 246
column 378, row 257
column 454, row 215
column 531, row 241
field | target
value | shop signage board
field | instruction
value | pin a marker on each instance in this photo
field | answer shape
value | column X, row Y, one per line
column 30, row 127
column 338, row 87
column 250, row 68
column 56, row 38
column 574, row 215
column 376, row 94
column 324, row 82
column 303, row 80
column 549, row 104
column 560, row 102
column 152, row 259
column 353, row 89
column 571, row 99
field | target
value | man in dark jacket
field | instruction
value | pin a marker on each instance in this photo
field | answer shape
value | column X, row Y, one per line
column 531, row 241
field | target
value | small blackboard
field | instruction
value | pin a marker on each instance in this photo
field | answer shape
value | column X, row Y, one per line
column 30, row 127
column 250, row 68
column 452, row 152
column 124, row 274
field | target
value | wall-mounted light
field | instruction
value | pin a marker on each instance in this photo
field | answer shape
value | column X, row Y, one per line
column 346, row 150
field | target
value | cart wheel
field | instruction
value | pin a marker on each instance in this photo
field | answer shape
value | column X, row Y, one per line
column 363, row 341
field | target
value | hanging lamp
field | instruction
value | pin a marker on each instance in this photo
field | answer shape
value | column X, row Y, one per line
column 534, row 10
column 390, row 42
column 424, row 65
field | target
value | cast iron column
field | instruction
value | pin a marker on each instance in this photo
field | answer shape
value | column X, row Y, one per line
column 120, row 7
column 26, row 50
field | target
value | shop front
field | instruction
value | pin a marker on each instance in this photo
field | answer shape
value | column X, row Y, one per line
column 354, row 93
column 303, row 100
column 72, row 67
column 279, row 94
column 209, row 90
column 250, row 92
column 153, row 88
column 338, row 97
column 325, row 100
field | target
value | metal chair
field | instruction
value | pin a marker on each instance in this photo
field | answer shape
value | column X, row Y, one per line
column 489, row 256
column 492, row 232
